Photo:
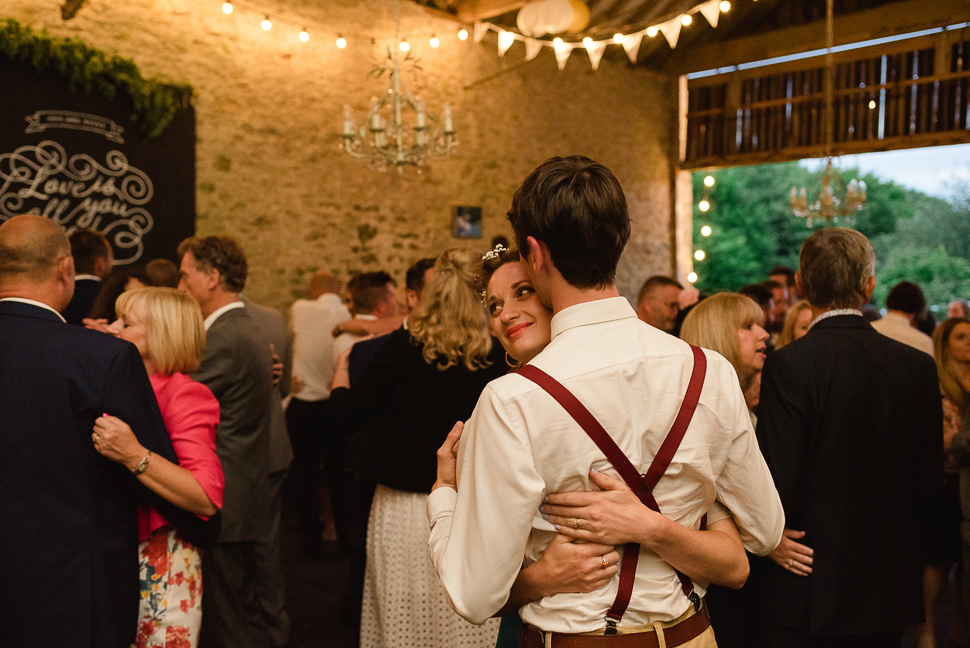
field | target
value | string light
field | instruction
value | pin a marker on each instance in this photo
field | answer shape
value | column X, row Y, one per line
column 699, row 255
column 686, row 20
column 434, row 42
column 709, row 181
column 725, row 6
column 704, row 205
column 587, row 41
column 304, row 35
column 405, row 46
column 227, row 8
column 618, row 38
column 462, row 34
column 872, row 104
column 266, row 24
column 341, row 42
column 652, row 31
column 706, row 230
column 692, row 277
column 557, row 41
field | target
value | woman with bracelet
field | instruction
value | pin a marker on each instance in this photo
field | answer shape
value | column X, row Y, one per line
column 166, row 327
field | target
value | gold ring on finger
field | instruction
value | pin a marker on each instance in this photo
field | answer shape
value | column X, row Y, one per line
column 576, row 523
column 606, row 563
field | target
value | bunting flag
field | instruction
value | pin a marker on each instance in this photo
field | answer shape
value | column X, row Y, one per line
column 532, row 48
column 711, row 10
column 480, row 30
column 631, row 44
column 505, row 40
column 671, row 31
column 562, row 54
column 595, row 51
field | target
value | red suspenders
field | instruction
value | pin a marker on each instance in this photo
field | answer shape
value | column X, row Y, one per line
column 641, row 485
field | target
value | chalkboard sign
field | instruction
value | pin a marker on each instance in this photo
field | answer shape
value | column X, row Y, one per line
column 80, row 161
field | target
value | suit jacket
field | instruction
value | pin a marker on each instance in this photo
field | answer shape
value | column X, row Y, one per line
column 273, row 326
column 68, row 532
column 237, row 368
column 851, row 427
column 86, row 291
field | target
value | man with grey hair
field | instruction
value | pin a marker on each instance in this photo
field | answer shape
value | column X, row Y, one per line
column 850, row 427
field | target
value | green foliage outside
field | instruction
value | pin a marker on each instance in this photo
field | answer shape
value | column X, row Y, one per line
column 916, row 237
column 89, row 70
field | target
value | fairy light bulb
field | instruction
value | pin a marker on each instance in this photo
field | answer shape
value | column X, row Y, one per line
column 652, row 31
column 709, row 181
column 587, row 41
column 618, row 38
column 686, row 20
column 699, row 255
column 557, row 41
column 434, row 42
column 405, row 46
column 341, row 42
column 227, row 8
column 706, row 230
column 725, row 6
column 703, row 205
column 462, row 34
column 304, row 35
column 692, row 277
column 266, row 24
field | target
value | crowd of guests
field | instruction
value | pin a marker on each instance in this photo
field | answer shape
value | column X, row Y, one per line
column 506, row 437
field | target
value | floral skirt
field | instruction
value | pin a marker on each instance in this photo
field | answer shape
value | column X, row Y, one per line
column 170, row 609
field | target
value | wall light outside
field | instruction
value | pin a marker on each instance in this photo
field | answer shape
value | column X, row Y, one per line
column 692, row 277
column 434, row 42
column 725, row 6
column 706, row 230
column 341, row 42
column 227, row 8
column 405, row 46
column 304, row 36
column 462, row 34
column 703, row 205
column 652, row 31
column 709, row 181
column 699, row 255
column 686, row 20
column 266, row 24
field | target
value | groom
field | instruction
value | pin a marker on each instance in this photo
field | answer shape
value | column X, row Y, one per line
column 571, row 225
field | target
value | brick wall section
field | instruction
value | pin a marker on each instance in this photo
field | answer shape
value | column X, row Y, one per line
column 269, row 110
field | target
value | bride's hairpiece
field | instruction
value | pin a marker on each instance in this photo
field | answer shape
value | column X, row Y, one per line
column 494, row 253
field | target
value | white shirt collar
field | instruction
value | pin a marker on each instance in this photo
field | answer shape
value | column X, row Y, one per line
column 834, row 313
column 214, row 315
column 87, row 276
column 366, row 316
column 34, row 303
column 593, row 312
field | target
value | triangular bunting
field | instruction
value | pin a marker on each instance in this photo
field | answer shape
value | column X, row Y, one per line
column 631, row 43
column 505, row 40
column 711, row 10
column 595, row 51
column 671, row 31
column 532, row 48
column 480, row 30
column 562, row 54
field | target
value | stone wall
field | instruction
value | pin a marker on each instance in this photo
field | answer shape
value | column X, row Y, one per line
column 269, row 166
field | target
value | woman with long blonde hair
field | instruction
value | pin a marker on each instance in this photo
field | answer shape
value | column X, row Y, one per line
column 423, row 378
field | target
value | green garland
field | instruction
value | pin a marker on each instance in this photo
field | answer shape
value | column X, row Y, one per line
column 90, row 70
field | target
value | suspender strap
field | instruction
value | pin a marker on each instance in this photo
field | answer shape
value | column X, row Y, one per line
column 641, row 485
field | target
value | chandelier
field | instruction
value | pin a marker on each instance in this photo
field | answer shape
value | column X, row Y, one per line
column 383, row 138
column 832, row 202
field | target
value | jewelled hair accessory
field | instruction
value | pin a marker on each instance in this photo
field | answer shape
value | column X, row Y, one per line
column 494, row 253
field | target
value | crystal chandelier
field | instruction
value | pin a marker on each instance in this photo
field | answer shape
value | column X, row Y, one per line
column 384, row 140
column 829, row 205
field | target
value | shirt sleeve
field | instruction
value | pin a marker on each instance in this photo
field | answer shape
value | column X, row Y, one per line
column 192, row 422
column 745, row 486
column 477, row 550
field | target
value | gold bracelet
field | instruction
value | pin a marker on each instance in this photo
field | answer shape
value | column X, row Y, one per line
column 143, row 464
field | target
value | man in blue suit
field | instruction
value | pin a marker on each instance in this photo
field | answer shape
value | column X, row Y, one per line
column 68, row 533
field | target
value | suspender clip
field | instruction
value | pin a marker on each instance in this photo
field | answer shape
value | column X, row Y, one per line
column 695, row 599
column 610, row 627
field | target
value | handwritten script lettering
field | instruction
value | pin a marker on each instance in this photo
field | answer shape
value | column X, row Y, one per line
column 79, row 191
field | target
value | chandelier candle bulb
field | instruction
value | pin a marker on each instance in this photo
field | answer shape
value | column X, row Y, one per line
column 304, row 36
column 449, row 126
column 434, row 42
column 266, row 24
column 227, row 8
column 341, row 42
column 375, row 118
column 348, row 121
column 405, row 46
column 462, row 34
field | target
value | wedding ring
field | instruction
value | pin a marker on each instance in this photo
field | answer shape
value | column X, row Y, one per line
column 605, row 562
column 575, row 523
column 791, row 563
column 96, row 438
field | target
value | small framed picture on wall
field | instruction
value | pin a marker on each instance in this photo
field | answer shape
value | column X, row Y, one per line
column 466, row 222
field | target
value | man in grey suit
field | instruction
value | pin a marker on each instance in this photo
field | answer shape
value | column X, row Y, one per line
column 270, row 585
column 237, row 367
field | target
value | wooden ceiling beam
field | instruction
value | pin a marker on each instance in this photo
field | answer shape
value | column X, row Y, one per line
column 470, row 11
column 888, row 20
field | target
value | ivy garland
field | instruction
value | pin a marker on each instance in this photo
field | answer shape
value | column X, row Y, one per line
column 89, row 70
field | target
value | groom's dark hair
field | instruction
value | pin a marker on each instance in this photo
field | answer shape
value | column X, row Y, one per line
column 577, row 208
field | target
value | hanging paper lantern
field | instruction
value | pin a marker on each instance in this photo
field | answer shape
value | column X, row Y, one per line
column 557, row 15
column 580, row 16
column 529, row 19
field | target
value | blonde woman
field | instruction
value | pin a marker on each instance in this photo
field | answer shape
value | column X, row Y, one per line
column 166, row 327
column 422, row 379
column 796, row 323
